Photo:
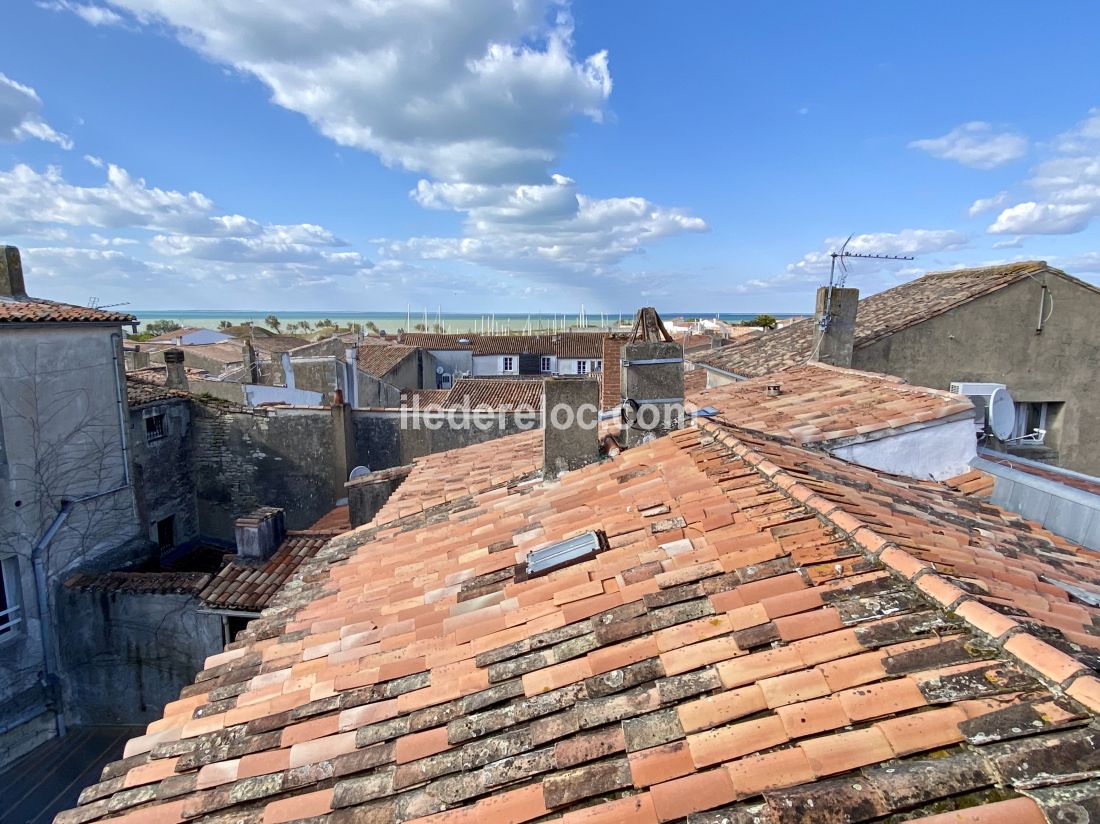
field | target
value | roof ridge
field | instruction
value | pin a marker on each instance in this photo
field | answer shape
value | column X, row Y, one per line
column 894, row 382
column 1055, row 668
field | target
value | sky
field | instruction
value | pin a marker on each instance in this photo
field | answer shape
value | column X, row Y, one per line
column 539, row 155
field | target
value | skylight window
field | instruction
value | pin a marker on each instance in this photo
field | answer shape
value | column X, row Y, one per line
column 570, row 551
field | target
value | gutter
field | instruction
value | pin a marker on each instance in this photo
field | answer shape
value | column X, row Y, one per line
column 720, row 371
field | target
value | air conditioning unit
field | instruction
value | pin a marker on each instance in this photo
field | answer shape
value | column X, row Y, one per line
column 994, row 409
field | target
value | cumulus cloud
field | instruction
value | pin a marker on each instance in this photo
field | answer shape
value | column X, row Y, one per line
column 475, row 95
column 20, row 115
column 988, row 204
column 975, row 144
column 1066, row 186
column 93, row 15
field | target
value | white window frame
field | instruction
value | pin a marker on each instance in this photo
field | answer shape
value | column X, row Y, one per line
column 597, row 366
column 582, row 367
column 11, row 617
column 507, row 363
column 546, row 363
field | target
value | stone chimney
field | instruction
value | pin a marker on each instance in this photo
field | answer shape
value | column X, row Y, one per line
column 260, row 533
column 368, row 494
column 140, row 358
column 570, row 416
column 835, row 325
column 11, row 273
column 176, row 374
column 652, row 380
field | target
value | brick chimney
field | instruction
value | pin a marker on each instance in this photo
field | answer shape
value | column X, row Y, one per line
column 652, row 380
column 176, row 372
column 260, row 533
column 835, row 325
column 570, row 416
column 11, row 273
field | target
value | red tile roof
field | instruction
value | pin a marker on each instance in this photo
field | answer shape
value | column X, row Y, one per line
column 513, row 345
column 823, row 404
column 146, row 386
column 139, row 583
column 763, row 639
column 496, row 393
column 380, row 360
column 437, row 341
column 37, row 310
column 878, row 316
column 1085, row 483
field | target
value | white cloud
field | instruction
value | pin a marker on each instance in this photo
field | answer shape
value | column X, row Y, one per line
column 988, row 204
column 20, row 115
column 476, row 95
column 94, row 15
column 1033, row 218
column 975, row 144
column 1014, row 243
column 1066, row 186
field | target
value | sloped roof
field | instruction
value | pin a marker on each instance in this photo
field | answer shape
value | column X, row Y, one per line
column 438, row 341
column 763, row 639
column 268, row 345
column 579, row 344
column 513, row 345
column 823, row 404
column 139, row 583
column 380, row 360
column 38, row 310
column 877, row 317
column 146, row 386
column 495, row 393
column 226, row 352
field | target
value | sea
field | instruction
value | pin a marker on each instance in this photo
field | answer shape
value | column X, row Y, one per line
column 448, row 321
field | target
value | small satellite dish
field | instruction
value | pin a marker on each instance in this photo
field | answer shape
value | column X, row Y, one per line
column 1002, row 414
column 359, row 472
column 439, row 370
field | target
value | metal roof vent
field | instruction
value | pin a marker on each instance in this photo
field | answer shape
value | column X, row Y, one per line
column 570, row 551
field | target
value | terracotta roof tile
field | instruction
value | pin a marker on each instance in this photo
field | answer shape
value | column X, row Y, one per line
column 878, row 316
column 37, row 310
column 379, row 360
column 146, row 386
column 438, row 341
column 407, row 672
column 821, row 404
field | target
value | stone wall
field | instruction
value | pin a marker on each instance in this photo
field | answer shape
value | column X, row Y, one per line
column 163, row 482
column 275, row 457
column 126, row 654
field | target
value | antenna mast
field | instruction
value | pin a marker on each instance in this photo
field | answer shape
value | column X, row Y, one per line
column 838, row 283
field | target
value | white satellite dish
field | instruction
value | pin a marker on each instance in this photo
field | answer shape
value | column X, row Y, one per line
column 359, row 472
column 1002, row 414
column 439, row 370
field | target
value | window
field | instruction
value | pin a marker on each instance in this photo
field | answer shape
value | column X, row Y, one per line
column 598, row 365
column 166, row 532
column 582, row 367
column 155, row 428
column 446, row 382
column 10, row 613
column 570, row 551
column 1033, row 421
column 545, row 364
column 508, row 362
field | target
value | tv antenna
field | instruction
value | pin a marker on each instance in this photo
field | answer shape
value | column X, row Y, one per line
column 838, row 282
column 93, row 303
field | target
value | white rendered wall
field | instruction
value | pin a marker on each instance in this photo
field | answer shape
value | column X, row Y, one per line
column 936, row 452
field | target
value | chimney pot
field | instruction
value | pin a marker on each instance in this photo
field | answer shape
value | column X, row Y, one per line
column 11, row 273
column 260, row 533
column 774, row 388
column 175, row 371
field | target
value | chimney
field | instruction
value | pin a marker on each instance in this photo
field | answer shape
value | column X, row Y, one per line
column 652, row 380
column 251, row 367
column 367, row 494
column 260, row 533
column 11, row 273
column 570, row 415
column 835, row 325
column 176, row 374
column 140, row 358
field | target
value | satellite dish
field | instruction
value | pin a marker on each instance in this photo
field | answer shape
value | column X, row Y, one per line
column 359, row 472
column 1002, row 414
column 439, row 370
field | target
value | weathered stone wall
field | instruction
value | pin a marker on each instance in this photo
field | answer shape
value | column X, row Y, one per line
column 276, row 457
column 388, row 438
column 993, row 339
column 125, row 655
column 163, row 482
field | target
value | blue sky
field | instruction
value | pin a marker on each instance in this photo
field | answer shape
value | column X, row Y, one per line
column 533, row 155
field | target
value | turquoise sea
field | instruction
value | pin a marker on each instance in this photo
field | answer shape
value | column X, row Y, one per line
column 392, row 321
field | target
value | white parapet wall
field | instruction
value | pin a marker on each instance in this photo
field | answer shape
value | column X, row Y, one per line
column 931, row 452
